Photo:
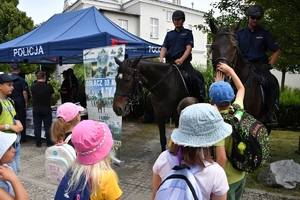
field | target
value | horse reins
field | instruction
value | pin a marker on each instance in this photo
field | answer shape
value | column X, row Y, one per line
column 136, row 95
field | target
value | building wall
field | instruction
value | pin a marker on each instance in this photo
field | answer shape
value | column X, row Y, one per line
column 138, row 14
column 291, row 80
column 115, row 16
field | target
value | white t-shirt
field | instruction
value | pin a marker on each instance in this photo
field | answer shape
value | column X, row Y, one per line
column 212, row 179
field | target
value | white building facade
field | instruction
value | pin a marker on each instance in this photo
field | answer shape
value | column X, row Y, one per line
column 149, row 20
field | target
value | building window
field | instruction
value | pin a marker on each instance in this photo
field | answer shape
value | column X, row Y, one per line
column 169, row 16
column 123, row 24
column 153, row 28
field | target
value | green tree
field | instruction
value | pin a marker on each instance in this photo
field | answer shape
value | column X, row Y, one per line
column 281, row 19
column 14, row 23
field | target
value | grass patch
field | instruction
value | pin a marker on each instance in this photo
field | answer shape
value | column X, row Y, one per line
column 283, row 146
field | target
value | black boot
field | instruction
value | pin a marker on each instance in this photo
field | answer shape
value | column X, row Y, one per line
column 196, row 91
column 271, row 117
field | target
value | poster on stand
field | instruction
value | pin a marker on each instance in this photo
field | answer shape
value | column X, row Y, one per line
column 100, row 70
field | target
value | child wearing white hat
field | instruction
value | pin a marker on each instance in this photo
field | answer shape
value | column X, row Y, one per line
column 200, row 126
column 10, row 185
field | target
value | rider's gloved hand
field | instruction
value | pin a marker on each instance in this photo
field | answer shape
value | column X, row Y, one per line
column 266, row 67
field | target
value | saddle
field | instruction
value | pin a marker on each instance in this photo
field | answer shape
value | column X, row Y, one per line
column 186, row 78
column 258, row 76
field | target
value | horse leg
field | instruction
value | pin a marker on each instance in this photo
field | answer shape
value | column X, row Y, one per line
column 162, row 132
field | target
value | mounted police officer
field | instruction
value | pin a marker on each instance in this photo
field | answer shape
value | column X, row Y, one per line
column 177, row 48
column 254, row 42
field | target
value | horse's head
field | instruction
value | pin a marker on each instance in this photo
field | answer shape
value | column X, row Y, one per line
column 224, row 47
column 127, row 86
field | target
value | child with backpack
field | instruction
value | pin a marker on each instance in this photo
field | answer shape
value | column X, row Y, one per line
column 8, row 118
column 90, row 175
column 68, row 117
column 221, row 95
column 60, row 156
column 10, row 185
column 200, row 126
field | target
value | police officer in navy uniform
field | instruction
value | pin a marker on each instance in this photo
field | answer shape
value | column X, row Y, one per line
column 20, row 97
column 254, row 42
column 177, row 48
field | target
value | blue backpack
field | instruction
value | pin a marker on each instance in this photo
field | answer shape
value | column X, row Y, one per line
column 179, row 183
column 78, row 193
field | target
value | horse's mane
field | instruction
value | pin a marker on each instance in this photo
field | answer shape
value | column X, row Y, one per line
column 223, row 30
column 155, row 64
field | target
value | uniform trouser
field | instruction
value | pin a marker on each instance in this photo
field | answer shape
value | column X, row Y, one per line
column 21, row 115
column 272, row 86
column 193, row 79
column 272, row 82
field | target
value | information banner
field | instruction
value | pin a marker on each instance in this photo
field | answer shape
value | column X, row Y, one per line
column 100, row 71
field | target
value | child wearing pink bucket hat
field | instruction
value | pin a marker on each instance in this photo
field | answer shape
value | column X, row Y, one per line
column 67, row 118
column 93, row 141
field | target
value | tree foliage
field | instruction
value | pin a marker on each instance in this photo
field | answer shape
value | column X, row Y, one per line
column 14, row 23
column 281, row 19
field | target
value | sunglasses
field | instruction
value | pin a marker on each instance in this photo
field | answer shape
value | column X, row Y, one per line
column 253, row 18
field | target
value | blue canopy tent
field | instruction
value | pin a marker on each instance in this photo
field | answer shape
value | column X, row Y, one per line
column 62, row 39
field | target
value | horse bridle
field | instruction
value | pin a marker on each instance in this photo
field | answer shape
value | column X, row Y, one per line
column 136, row 95
column 223, row 59
column 133, row 97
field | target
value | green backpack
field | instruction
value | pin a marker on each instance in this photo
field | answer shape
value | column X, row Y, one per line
column 250, row 148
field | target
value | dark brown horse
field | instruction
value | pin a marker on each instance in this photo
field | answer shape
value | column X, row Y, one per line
column 162, row 80
column 225, row 49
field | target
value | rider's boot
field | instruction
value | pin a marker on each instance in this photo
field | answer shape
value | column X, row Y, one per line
column 271, row 117
column 196, row 91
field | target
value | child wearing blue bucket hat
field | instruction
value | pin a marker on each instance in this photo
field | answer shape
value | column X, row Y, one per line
column 221, row 95
column 200, row 126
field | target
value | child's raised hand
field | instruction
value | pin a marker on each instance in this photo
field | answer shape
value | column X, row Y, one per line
column 220, row 76
column 223, row 67
column 7, row 174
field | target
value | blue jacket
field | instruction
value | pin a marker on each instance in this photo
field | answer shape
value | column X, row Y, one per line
column 176, row 43
column 255, row 45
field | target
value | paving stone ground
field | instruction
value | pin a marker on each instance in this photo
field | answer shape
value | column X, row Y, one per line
column 135, row 175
